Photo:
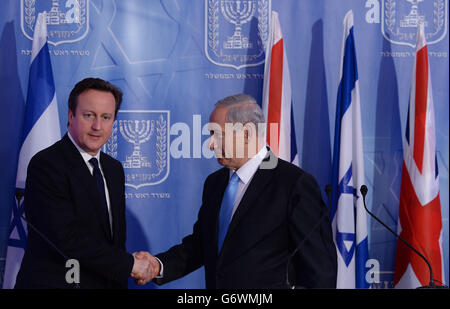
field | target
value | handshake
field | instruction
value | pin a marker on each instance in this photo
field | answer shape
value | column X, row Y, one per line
column 145, row 267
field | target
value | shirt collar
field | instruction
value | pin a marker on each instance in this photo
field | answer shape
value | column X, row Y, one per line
column 84, row 154
column 246, row 171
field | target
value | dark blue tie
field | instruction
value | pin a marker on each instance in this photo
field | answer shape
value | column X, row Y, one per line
column 226, row 209
column 101, row 190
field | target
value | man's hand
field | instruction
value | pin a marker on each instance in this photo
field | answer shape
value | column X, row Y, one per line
column 145, row 267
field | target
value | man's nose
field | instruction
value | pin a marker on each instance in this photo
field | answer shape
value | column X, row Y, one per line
column 211, row 142
column 96, row 124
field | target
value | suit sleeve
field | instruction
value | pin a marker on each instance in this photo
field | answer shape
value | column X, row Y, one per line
column 316, row 261
column 187, row 256
column 49, row 205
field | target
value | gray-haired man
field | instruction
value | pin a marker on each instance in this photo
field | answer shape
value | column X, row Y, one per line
column 255, row 212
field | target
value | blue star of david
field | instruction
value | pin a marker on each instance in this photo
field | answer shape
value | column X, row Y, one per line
column 16, row 223
column 162, row 69
column 341, row 238
column 344, row 187
column 346, row 254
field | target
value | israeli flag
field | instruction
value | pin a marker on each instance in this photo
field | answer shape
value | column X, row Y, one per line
column 347, row 211
column 41, row 129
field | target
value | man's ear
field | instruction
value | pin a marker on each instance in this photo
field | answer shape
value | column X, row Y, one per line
column 246, row 134
column 70, row 116
column 249, row 131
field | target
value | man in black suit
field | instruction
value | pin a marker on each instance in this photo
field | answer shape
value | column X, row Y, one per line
column 74, row 195
column 255, row 212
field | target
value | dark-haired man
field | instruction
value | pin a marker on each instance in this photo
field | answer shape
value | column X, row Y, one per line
column 74, row 195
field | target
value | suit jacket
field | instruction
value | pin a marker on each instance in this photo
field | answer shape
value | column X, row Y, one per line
column 280, row 209
column 62, row 201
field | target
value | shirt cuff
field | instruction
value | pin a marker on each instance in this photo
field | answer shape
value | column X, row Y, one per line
column 161, row 271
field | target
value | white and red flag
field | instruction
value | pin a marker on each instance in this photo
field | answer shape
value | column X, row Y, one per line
column 276, row 100
column 420, row 220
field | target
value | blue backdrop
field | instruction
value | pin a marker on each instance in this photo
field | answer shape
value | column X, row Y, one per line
column 174, row 59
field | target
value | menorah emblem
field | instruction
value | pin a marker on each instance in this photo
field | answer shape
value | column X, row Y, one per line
column 238, row 15
column 67, row 20
column 400, row 19
column 413, row 19
column 133, row 134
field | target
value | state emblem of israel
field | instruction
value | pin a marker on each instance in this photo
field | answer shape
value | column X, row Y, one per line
column 400, row 19
column 140, row 141
column 67, row 20
column 236, row 32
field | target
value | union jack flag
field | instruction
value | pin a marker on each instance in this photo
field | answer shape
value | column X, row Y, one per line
column 420, row 221
column 276, row 101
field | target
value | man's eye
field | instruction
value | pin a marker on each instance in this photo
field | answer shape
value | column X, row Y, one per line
column 106, row 117
column 215, row 134
column 88, row 115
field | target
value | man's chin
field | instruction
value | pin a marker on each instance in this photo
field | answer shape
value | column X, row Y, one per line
column 92, row 148
column 223, row 161
column 228, row 163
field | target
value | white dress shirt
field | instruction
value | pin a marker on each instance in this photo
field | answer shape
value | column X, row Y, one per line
column 245, row 174
column 86, row 158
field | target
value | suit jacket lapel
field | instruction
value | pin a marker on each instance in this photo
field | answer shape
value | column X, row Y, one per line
column 215, row 197
column 258, row 183
column 80, row 171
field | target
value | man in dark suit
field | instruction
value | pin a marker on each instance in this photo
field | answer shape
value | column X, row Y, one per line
column 74, row 195
column 255, row 212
